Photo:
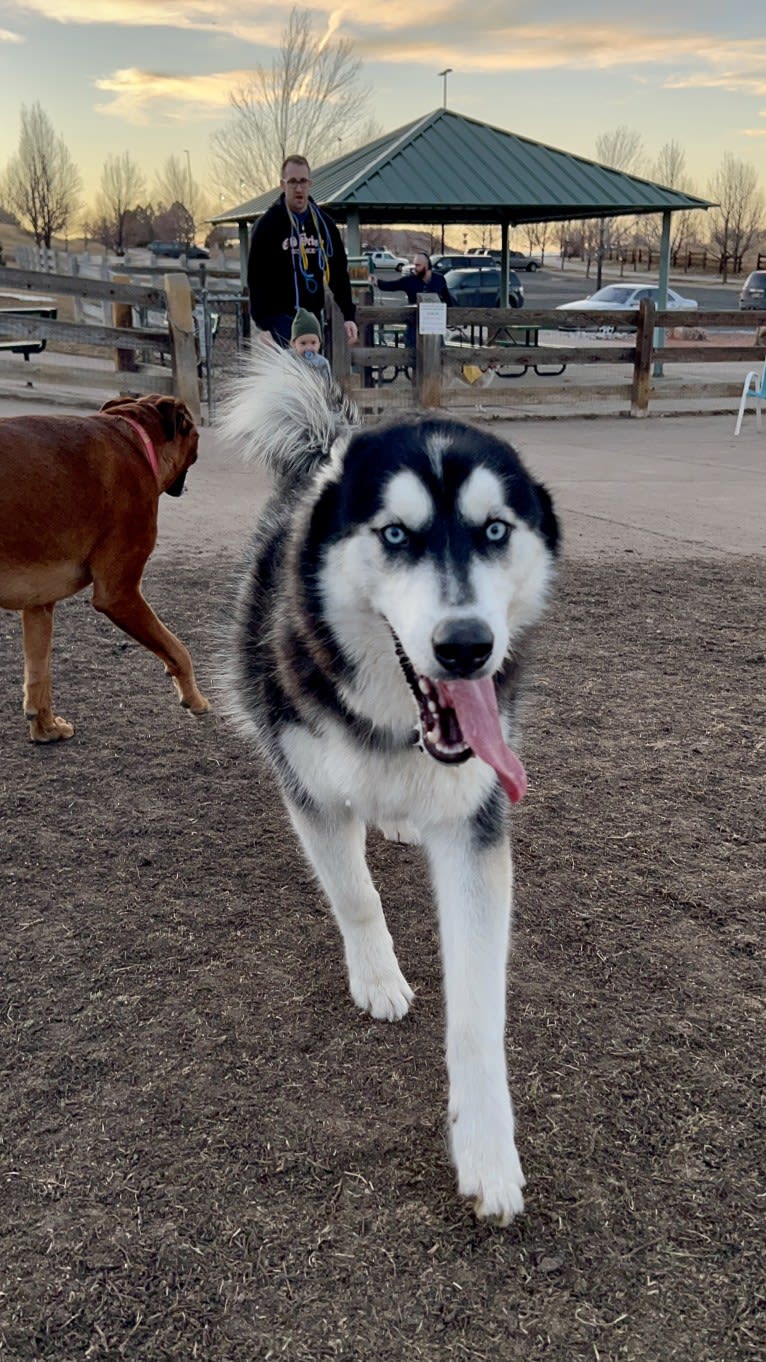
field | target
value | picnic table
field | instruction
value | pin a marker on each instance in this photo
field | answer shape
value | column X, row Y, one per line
column 392, row 334
column 526, row 337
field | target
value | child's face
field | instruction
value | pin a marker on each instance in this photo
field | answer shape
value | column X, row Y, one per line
column 304, row 343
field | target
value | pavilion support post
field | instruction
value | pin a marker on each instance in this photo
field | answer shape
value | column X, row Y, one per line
column 662, row 283
column 244, row 251
column 353, row 235
column 504, row 262
column 639, row 398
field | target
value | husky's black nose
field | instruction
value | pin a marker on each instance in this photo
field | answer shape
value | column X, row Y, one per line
column 462, row 646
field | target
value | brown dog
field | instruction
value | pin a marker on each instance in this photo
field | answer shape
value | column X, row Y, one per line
column 78, row 504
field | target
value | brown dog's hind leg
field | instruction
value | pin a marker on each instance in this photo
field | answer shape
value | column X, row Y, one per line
column 37, row 632
column 131, row 613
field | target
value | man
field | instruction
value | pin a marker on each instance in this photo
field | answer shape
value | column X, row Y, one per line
column 295, row 250
column 422, row 280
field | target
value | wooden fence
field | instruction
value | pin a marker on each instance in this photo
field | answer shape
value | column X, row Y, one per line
column 103, row 309
column 641, row 352
column 702, row 261
column 625, row 371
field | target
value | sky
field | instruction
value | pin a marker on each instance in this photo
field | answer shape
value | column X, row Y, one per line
column 153, row 77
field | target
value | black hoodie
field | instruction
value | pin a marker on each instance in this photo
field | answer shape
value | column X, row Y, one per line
column 275, row 276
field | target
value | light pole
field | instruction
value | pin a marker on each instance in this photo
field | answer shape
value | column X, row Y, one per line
column 189, row 178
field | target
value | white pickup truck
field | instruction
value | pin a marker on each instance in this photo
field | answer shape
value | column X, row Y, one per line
column 386, row 260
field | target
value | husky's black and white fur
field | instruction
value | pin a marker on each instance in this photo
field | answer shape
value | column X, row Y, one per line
column 396, row 569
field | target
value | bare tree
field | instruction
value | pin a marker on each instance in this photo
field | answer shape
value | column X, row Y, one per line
column 537, row 234
column 621, row 149
column 736, row 221
column 670, row 171
column 41, row 182
column 175, row 184
column 175, row 224
column 122, row 185
column 308, row 101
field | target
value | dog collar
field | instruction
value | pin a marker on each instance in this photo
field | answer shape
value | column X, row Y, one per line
column 149, row 449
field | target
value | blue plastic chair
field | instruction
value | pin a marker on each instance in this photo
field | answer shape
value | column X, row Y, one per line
column 754, row 386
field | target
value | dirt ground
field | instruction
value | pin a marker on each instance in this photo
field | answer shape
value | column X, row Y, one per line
column 208, row 1153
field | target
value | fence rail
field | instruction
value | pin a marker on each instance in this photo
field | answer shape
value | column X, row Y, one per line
column 104, row 310
column 81, row 286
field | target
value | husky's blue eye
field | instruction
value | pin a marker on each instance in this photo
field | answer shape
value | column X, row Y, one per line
column 394, row 535
column 497, row 531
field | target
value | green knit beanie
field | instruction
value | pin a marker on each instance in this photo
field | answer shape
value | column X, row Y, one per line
column 305, row 324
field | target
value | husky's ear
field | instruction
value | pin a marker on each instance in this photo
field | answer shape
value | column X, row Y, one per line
column 548, row 525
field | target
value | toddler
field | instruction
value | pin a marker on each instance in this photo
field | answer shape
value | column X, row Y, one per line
column 306, row 341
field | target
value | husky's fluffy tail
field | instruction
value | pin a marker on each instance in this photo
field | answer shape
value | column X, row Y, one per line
column 284, row 413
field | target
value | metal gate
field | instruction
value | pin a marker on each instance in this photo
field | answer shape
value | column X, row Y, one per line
column 222, row 321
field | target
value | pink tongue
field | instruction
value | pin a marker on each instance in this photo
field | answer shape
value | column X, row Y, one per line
column 475, row 704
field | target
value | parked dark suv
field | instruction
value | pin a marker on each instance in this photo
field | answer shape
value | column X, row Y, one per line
column 479, row 286
column 173, row 250
column 752, row 296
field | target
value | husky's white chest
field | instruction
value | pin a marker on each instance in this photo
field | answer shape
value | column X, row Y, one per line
column 410, row 784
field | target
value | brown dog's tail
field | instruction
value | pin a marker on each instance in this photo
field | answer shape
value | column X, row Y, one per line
column 283, row 413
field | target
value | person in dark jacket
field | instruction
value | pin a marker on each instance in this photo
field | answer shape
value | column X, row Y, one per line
column 296, row 249
column 422, row 280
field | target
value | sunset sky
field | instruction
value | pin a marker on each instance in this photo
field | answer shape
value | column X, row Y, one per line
column 153, row 77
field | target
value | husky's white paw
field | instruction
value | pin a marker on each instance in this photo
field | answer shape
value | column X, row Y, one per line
column 375, row 979
column 488, row 1167
column 403, row 832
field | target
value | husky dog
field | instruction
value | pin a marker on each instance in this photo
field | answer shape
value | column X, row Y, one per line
column 377, row 657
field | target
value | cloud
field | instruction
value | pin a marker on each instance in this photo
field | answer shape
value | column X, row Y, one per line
column 235, row 19
column 502, row 45
column 431, row 34
column 445, row 31
column 144, row 96
column 7, row 37
column 735, row 82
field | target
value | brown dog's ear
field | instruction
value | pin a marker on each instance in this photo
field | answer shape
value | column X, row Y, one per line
column 175, row 416
column 118, row 402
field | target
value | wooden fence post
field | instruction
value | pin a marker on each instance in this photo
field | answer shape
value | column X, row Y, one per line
column 428, row 370
column 340, row 351
column 642, row 366
column 122, row 315
column 183, row 345
column 428, row 362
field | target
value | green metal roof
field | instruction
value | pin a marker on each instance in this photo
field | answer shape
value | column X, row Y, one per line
column 445, row 166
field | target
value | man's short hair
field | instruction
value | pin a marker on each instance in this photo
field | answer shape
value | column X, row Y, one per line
column 295, row 160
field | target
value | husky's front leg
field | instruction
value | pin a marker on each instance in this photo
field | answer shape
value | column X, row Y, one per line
column 335, row 847
column 473, row 889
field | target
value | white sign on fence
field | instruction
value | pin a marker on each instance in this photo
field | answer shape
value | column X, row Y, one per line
column 432, row 319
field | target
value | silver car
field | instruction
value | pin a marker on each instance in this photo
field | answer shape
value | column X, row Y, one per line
column 752, row 296
column 626, row 298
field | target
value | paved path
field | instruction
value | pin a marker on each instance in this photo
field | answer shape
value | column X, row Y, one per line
column 673, row 487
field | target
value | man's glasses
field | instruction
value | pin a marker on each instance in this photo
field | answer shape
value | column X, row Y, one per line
column 297, row 184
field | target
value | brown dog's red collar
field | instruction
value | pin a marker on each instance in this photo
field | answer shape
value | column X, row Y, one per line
column 149, row 449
